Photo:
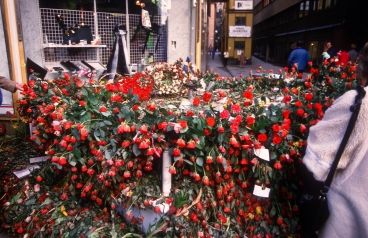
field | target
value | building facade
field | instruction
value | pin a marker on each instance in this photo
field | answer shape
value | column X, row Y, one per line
column 237, row 25
column 280, row 23
column 25, row 24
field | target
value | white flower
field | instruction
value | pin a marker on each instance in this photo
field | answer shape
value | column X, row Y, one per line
column 28, row 219
column 36, row 188
column 26, row 235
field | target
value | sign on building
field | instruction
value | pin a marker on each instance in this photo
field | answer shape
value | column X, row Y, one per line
column 239, row 31
column 243, row 4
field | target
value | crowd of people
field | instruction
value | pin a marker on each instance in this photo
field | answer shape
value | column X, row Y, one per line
column 298, row 57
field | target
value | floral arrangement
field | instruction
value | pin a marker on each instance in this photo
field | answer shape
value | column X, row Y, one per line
column 234, row 168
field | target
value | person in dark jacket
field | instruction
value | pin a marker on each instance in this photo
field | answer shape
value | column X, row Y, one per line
column 331, row 50
column 300, row 57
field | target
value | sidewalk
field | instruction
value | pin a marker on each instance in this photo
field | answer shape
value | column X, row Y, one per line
column 235, row 70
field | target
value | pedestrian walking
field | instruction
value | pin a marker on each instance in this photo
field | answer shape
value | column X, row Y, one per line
column 300, row 57
column 213, row 53
column 353, row 53
column 241, row 60
column 226, row 56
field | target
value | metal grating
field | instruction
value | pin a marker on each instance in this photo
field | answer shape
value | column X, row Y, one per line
column 105, row 23
column 51, row 29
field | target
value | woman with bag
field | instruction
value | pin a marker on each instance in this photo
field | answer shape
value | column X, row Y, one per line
column 347, row 195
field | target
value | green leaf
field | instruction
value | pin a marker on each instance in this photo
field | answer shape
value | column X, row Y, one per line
column 199, row 161
column 59, row 220
column 84, row 91
column 108, row 123
column 102, row 133
column 76, row 153
column 92, row 99
column 274, row 119
column 220, row 137
column 86, row 117
column 106, row 114
column 273, row 211
column 97, row 135
column 136, row 150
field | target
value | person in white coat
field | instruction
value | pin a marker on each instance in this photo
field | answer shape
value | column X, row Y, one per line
column 348, row 195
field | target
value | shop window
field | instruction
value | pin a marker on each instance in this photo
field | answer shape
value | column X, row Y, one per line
column 240, row 21
column 239, row 45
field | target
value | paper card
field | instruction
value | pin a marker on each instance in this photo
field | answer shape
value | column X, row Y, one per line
column 38, row 159
column 25, row 172
column 262, row 153
column 261, row 192
column 146, row 21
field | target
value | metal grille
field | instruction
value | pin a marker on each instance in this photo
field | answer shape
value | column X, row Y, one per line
column 105, row 23
column 51, row 29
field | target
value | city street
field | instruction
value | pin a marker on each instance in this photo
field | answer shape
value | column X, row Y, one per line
column 234, row 70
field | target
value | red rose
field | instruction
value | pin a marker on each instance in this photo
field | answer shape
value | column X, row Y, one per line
column 308, row 96
column 276, row 140
column 225, row 114
column 262, row 137
column 207, row 96
column 210, row 121
column 300, row 112
column 250, row 120
column 298, row 104
column 286, row 114
column 196, row 101
column 248, row 95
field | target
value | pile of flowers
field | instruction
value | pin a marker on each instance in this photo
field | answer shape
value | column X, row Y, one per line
column 169, row 78
column 234, row 167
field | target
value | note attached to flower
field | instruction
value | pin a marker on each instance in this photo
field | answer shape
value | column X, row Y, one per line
column 262, row 153
column 261, row 192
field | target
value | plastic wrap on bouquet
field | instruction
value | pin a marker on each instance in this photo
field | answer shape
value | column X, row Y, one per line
column 166, row 175
column 119, row 59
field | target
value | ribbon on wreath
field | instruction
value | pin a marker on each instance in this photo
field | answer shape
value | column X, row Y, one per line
column 119, row 59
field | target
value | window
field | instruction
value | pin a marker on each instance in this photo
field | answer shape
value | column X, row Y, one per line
column 239, row 45
column 328, row 3
column 319, row 5
column 306, row 8
column 301, row 12
column 239, row 21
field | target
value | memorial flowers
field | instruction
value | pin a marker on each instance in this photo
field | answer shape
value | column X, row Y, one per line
column 234, row 155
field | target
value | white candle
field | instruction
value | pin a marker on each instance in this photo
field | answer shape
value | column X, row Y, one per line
column 166, row 175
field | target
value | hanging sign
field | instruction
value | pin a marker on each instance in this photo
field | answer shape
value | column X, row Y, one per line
column 243, row 4
column 239, row 31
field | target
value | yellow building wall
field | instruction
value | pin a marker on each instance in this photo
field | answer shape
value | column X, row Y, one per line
column 248, row 40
